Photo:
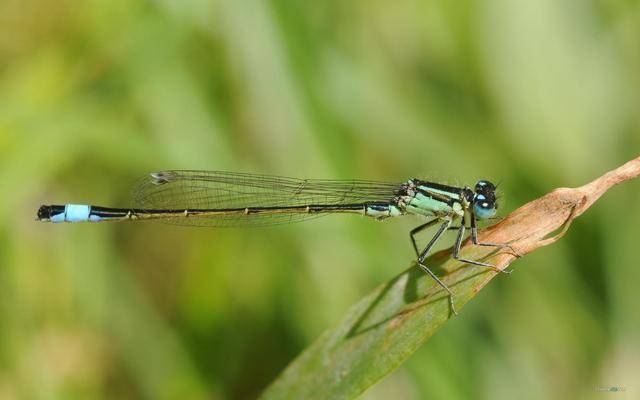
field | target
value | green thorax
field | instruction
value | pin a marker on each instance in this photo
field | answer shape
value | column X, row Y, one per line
column 434, row 199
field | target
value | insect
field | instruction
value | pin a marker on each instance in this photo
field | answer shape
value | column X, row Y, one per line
column 227, row 199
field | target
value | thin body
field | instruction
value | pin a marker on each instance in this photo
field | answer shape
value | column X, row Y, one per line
column 88, row 213
column 224, row 199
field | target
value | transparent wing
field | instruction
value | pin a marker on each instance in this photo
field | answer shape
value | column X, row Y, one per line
column 181, row 190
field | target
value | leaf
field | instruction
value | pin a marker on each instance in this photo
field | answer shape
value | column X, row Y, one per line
column 384, row 328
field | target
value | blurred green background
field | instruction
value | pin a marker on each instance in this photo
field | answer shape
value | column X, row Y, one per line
column 95, row 94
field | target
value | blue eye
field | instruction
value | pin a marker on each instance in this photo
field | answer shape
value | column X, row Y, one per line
column 484, row 209
column 484, row 203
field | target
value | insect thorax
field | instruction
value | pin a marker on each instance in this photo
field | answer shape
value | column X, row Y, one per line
column 433, row 199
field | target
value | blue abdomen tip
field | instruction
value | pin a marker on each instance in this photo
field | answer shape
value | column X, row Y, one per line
column 72, row 213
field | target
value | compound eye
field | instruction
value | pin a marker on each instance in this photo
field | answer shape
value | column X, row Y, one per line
column 484, row 207
column 485, row 186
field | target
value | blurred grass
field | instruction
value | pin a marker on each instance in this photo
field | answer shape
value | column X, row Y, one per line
column 95, row 94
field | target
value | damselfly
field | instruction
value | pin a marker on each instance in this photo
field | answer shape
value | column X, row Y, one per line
column 225, row 199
